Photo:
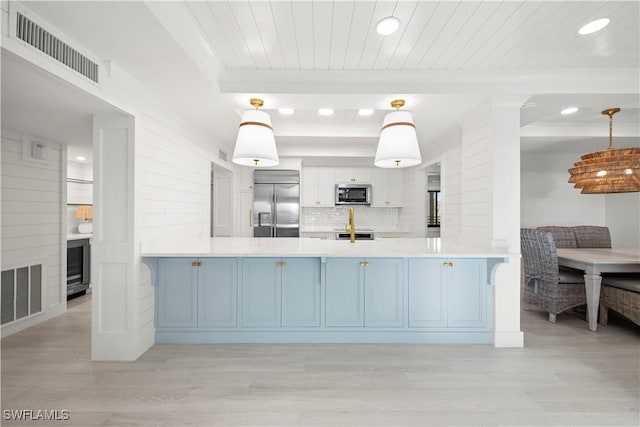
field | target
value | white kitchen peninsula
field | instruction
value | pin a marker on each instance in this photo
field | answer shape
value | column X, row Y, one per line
column 310, row 290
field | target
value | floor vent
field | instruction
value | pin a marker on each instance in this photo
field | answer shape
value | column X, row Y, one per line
column 21, row 293
column 33, row 34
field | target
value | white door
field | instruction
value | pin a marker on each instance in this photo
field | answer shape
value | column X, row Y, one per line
column 222, row 204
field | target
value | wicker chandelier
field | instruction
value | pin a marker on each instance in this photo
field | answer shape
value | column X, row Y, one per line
column 608, row 171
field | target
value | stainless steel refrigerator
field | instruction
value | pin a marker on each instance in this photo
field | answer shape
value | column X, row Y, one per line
column 276, row 203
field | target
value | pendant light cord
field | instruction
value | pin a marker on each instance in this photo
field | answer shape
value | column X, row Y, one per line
column 610, row 131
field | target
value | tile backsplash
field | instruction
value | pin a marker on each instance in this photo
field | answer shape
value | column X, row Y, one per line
column 366, row 217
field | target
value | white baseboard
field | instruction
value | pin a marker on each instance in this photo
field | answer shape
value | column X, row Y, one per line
column 21, row 325
column 508, row 339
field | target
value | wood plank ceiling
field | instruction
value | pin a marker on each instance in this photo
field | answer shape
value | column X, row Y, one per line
column 340, row 35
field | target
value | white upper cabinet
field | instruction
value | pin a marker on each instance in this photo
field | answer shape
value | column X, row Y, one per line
column 386, row 187
column 318, row 187
column 349, row 175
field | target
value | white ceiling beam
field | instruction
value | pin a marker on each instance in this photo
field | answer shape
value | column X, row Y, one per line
column 328, row 132
column 326, row 150
column 620, row 130
column 605, row 81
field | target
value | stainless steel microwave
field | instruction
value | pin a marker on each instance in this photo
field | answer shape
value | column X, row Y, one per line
column 353, row 194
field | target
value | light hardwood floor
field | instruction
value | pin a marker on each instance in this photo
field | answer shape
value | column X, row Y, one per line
column 564, row 376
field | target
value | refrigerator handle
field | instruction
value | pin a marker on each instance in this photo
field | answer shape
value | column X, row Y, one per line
column 274, row 222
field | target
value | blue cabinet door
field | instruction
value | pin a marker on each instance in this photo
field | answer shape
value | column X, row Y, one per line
column 466, row 293
column 217, row 292
column 427, row 298
column 177, row 293
column 383, row 292
column 344, row 299
column 261, row 292
column 300, row 292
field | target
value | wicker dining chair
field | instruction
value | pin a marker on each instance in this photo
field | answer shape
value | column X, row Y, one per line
column 545, row 285
column 592, row 236
column 564, row 237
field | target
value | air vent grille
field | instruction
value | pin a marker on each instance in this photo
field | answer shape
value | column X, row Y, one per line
column 33, row 34
column 222, row 155
column 21, row 292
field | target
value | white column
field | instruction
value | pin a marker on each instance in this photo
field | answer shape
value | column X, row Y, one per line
column 114, row 331
column 505, row 200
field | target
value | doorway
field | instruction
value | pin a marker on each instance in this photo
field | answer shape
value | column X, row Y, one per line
column 433, row 200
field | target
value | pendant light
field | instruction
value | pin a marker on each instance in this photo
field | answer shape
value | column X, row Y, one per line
column 398, row 145
column 255, row 144
column 608, row 171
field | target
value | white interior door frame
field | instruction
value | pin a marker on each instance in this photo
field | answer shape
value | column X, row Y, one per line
column 114, row 321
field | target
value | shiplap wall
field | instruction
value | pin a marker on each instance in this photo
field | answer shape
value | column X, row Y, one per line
column 447, row 149
column 32, row 200
column 172, row 200
column 476, row 199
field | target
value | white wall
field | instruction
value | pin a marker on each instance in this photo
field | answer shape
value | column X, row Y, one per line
column 622, row 213
column 447, row 150
column 172, row 201
column 548, row 199
column 33, row 195
column 476, row 198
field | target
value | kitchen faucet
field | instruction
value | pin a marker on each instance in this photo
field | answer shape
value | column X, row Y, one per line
column 351, row 228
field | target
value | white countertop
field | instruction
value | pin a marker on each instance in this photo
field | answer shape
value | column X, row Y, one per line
column 78, row 236
column 304, row 247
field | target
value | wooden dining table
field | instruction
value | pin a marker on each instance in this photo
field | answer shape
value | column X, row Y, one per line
column 594, row 262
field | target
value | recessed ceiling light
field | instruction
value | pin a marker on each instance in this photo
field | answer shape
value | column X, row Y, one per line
column 365, row 111
column 569, row 110
column 594, row 26
column 388, row 25
column 325, row 111
column 286, row 111
column 81, row 159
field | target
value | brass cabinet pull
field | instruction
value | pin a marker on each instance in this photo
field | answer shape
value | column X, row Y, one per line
column 317, row 202
column 281, row 264
column 194, row 263
column 447, row 264
column 450, row 264
column 361, row 264
column 366, row 264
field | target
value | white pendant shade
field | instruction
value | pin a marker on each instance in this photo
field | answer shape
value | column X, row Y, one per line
column 398, row 146
column 255, row 144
